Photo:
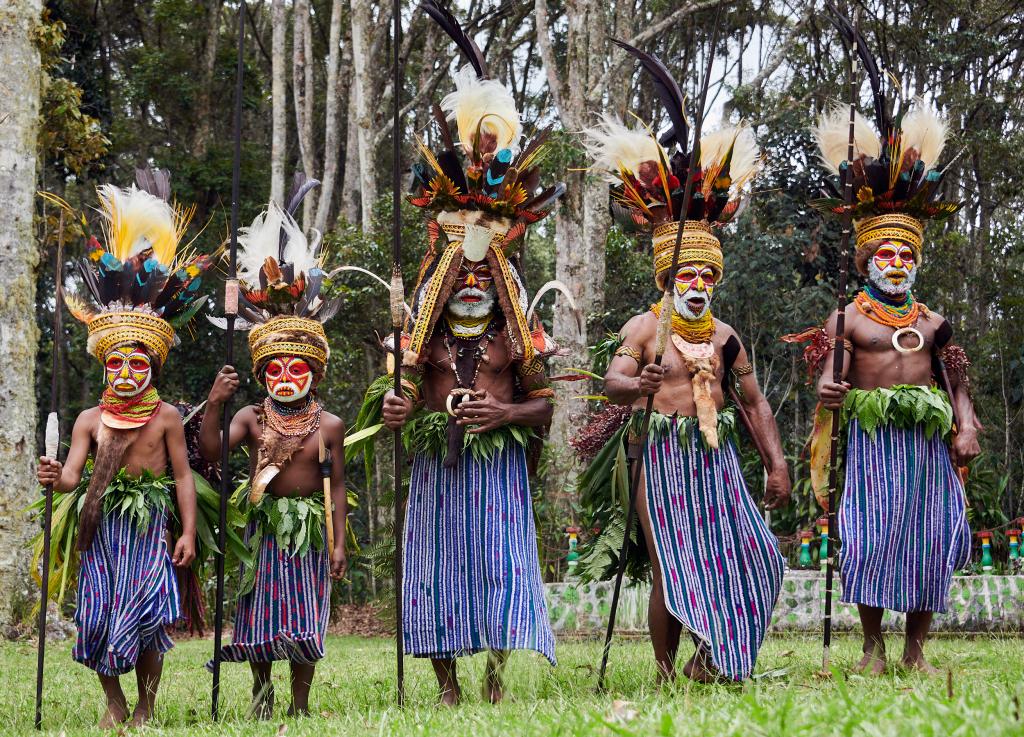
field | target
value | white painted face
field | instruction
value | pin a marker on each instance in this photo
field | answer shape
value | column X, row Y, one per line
column 128, row 371
column 695, row 286
column 474, row 296
column 288, row 378
column 893, row 269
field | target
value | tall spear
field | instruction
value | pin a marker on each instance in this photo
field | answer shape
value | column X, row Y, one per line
column 664, row 326
column 230, row 311
column 52, row 445
column 397, row 315
column 839, row 355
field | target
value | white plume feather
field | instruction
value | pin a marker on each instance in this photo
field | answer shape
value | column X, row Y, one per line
column 485, row 104
column 135, row 221
column 746, row 158
column 262, row 240
column 613, row 146
column 925, row 130
column 833, row 135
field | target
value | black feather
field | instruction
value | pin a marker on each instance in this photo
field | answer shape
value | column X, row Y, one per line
column 855, row 40
column 668, row 90
column 452, row 168
column 155, row 181
column 443, row 17
column 445, row 129
column 546, row 198
column 301, row 186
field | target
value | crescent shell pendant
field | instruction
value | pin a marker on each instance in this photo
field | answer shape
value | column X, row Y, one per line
column 907, row 331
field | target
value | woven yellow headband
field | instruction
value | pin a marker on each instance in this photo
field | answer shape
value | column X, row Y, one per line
column 288, row 347
column 891, row 225
column 698, row 243
column 111, row 329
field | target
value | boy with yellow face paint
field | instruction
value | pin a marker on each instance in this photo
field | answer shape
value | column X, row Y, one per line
column 127, row 589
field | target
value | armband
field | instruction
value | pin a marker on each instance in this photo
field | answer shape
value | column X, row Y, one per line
column 743, row 369
column 625, row 350
column 545, row 393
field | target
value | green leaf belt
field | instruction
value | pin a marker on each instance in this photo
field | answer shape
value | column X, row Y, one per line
column 903, row 406
column 428, row 433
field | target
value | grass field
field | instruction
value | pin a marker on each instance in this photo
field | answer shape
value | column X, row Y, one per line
column 353, row 695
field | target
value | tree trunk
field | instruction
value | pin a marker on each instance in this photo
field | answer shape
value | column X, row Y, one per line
column 581, row 228
column 279, row 94
column 204, row 102
column 302, row 91
column 19, row 337
column 363, row 110
column 350, row 188
column 334, row 98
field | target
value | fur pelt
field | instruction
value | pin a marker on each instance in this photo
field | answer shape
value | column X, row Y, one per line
column 111, row 445
column 702, row 376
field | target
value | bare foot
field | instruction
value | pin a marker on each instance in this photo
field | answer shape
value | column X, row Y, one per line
column 116, row 713
column 262, row 706
column 701, row 671
column 916, row 661
column 494, row 690
column 298, row 711
column 140, row 716
column 688, row 668
column 873, row 662
column 450, row 696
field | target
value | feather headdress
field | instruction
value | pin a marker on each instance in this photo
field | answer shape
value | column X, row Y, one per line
column 139, row 284
column 897, row 180
column 483, row 190
column 648, row 186
column 488, row 172
column 285, row 294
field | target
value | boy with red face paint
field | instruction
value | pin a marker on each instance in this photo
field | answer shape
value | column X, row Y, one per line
column 127, row 589
column 284, row 606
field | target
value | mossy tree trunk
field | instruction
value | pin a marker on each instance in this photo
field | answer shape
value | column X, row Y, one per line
column 19, row 337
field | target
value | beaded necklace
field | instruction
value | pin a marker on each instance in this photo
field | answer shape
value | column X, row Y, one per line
column 894, row 316
column 292, row 422
column 478, row 344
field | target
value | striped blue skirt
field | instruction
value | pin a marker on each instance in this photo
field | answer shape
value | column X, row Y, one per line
column 127, row 595
column 472, row 580
column 902, row 522
column 721, row 565
column 285, row 616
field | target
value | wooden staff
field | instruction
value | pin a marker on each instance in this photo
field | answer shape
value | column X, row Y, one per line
column 664, row 327
column 397, row 300
column 838, row 357
column 325, row 474
column 230, row 311
column 52, row 442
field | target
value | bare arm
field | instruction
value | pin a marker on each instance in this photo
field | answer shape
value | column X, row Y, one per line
column 830, row 393
column 627, row 378
column 68, row 475
column 965, row 444
column 335, row 441
column 210, row 435
column 185, row 488
column 763, row 425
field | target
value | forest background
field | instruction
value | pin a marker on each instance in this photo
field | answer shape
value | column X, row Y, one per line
column 95, row 88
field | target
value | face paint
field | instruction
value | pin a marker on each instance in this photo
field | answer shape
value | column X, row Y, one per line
column 288, row 378
column 892, row 269
column 128, row 371
column 695, row 286
column 474, row 295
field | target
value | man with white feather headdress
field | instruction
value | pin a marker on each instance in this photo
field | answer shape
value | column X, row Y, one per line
column 716, row 566
column 296, row 534
column 476, row 390
column 902, row 521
